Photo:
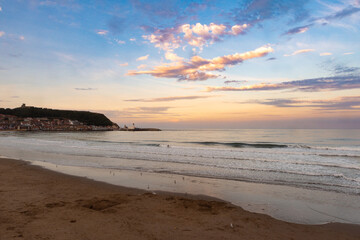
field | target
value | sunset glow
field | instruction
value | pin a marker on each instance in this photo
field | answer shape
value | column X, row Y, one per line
column 186, row 64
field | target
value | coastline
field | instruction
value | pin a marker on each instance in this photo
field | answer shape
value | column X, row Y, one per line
column 39, row 203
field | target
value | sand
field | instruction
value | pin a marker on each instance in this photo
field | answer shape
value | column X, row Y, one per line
column 40, row 204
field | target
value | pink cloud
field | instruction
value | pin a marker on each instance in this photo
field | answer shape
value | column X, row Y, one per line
column 196, row 35
column 197, row 68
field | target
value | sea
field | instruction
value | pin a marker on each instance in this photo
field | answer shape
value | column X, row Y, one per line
column 326, row 160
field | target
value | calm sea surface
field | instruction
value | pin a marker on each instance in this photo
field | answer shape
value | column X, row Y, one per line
column 327, row 160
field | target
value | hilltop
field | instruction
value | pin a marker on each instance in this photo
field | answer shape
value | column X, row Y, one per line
column 85, row 118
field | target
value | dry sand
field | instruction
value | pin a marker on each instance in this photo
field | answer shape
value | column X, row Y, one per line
column 40, row 204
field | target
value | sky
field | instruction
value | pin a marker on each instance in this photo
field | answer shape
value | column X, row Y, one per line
column 186, row 64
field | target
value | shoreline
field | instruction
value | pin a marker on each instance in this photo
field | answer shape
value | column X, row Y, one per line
column 37, row 202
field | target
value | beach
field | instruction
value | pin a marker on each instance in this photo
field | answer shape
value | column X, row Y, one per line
column 36, row 203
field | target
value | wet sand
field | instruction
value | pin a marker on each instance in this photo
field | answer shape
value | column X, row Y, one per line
column 36, row 203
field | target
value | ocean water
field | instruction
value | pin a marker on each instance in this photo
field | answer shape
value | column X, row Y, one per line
column 327, row 160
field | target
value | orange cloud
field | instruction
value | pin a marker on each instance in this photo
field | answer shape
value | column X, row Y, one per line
column 197, row 67
column 142, row 58
column 172, row 56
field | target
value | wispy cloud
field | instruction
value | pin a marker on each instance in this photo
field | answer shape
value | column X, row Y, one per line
column 307, row 85
column 342, row 103
column 299, row 52
column 143, row 111
column 143, row 58
column 0, row 9
column 197, row 68
column 348, row 11
column 325, row 54
column 65, row 57
column 341, row 69
column 235, row 81
column 167, row 99
column 349, row 53
column 296, row 30
column 132, row 39
column 22, row 38
column 119, row 41
column 336, row 15
column 123, row 64
column 102, row 32
column 85, row 89
column 2, row 33
column 142, row 66
column 271, row 59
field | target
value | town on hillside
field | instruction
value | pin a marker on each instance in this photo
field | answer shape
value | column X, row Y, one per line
column 9, row 122
column 29, row 118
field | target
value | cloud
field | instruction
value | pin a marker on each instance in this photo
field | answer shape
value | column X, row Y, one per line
column 167, row 99
column 141, row 66
column 345, row 12
column 306, row 85
column 257, row 11
column 296, row 30
column 102, row 32
column 299, row 52
column 325, row 54
column 123, row 64
column 2, row 33
column 22, row 38
column 271, row 59
column 348, row 11
column 65, row 57
column 119, row 41
column 85, row 89
column 196, row 35
column 145, row 110
column 142, row 58
column 200, row 34
column 235, row 81
column 132, row 39
column 342, row 103
column 349, row 53
column 341, row 69
column 172, row 57
column 331, row 66
column 164, row 39
column 0, row 9
column 196, row 69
